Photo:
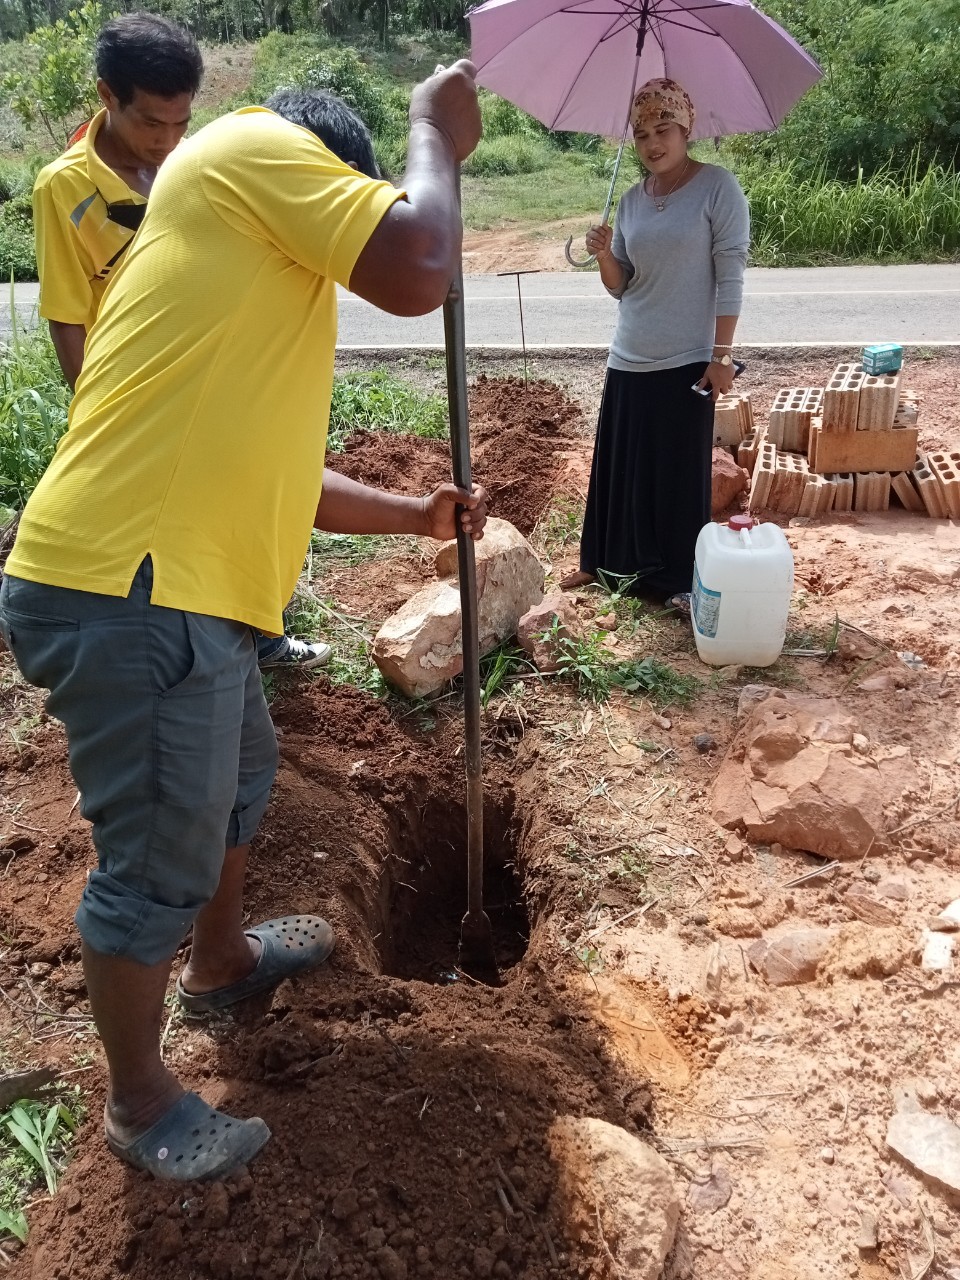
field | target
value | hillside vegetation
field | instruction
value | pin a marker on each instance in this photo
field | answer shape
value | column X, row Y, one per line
column 863, row 169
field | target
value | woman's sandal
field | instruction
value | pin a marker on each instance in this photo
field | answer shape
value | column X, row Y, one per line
column 681, row 602
column 193, row 1142
column 287, row 947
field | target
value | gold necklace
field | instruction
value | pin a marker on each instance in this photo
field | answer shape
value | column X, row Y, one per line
column 660, row 202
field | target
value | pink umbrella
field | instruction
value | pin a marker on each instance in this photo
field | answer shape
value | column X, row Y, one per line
column 570, row 63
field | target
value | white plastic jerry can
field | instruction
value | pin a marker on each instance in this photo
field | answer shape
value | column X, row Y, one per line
column 742, row 583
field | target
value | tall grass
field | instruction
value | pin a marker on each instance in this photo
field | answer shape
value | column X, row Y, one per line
column 891, row 216
column 33, row 413
column 380, row 402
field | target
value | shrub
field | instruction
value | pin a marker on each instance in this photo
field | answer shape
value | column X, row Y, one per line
column 498, row 157
column 16, row 239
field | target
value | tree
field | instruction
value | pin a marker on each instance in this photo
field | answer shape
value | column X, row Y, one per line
column 59, row 89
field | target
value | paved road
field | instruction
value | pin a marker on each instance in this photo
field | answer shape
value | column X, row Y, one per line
column 814, row 306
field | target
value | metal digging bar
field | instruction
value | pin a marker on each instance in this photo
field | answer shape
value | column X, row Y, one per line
column 477, row 957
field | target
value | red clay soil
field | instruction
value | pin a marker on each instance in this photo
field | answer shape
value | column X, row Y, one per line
column 399, row 1108
column 522, row 436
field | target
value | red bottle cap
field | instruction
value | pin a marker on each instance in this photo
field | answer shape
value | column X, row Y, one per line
column 736, row 523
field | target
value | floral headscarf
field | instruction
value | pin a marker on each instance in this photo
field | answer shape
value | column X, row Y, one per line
column 662, row 100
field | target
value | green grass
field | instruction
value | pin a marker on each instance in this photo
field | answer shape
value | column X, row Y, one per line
column 33, row 413
column 381, row 402
column 889, row 217
column 35, row 1139
column 568, row 187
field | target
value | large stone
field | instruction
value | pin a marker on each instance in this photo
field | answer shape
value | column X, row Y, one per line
column 419, row 648
column 729, row 479
column 791, row 959
column 793, row 775
column 605, row 1170
column 538, row 621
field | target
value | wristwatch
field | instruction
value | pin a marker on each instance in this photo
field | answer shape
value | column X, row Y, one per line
column 725, row 359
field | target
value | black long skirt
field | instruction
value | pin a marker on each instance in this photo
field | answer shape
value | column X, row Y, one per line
column 649, row 492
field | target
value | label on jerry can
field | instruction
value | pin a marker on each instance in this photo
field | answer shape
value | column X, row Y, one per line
column 705, row 607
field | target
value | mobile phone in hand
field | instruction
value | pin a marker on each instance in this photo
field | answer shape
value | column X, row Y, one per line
column 738, row 368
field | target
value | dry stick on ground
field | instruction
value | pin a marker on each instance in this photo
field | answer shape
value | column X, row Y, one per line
column 812, row 875
column 24, row 1084
column 925, row 817
column 525, row 1210
column 603, row 1242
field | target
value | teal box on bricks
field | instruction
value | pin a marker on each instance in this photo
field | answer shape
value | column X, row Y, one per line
column 882, row 357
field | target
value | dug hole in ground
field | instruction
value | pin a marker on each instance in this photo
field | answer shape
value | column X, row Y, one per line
column 709, row 1041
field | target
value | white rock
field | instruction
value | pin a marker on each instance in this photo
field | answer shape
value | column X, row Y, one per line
column 418, row 648
column 952, row 912
column 929, row 1143
column 937, row 951
column 602, row 1165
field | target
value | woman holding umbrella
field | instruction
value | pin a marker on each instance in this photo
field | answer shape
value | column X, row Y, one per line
column 675, row 260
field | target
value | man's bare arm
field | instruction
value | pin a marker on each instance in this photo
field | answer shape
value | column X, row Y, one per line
column 349, row 507
column 68, row 342
column 407, row 264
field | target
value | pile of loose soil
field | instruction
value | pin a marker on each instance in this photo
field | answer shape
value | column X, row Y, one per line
column 401, row 1110
column 524, row 438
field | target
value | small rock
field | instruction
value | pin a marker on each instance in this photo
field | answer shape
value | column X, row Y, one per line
column 893, row 888
column 835, row 1204
column 867, row 1238
column 605, row 621
column 711, row 1192
column 926, row 1092
column 664, row 722
column 542, row 629
column 811, row 1191
column 937, row 951
column 705, row 743
column 792, row 958
column 827, row 1155
column 878, row 684
column 72, row 1199
column 861, row 743
column 869, row 909
column 871, row 874
column 39, row 969
column 952, row 912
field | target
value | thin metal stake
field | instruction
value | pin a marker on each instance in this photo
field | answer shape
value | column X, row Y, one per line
column 523, row 339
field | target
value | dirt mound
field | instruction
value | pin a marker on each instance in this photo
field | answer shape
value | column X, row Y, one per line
column 521, row 436
column 401, row 1111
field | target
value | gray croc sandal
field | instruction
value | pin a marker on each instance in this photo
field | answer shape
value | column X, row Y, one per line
column 288, row 946
column 192, row 1142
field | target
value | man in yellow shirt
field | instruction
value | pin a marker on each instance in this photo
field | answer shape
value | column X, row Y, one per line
column 89, row 202
column 174, row 518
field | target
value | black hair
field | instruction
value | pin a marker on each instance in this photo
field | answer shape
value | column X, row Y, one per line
column 144, row 51
column 330, row 119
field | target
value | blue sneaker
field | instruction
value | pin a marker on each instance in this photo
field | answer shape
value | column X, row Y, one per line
column 295, row 655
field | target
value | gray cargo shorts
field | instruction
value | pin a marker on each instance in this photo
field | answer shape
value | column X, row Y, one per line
column 171, row 746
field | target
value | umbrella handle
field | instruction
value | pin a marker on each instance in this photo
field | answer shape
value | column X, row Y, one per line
column 572, row 260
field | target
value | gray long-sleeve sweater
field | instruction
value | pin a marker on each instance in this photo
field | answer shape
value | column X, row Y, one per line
column 685, row 268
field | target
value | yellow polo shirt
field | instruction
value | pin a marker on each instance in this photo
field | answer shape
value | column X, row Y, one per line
column 197, row 432
column 78, row 247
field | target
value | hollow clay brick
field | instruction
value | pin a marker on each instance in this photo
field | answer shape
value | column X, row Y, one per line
column 946, row 467
column 763, row 474
column 841, row 398
column 871, row 491
column 879, row 396
column 903, row 486
column 928, row 486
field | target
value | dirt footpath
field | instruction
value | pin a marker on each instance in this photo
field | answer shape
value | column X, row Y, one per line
column 411, row 1108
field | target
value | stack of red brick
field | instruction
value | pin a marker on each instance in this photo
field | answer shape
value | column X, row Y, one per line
column 843, row 447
